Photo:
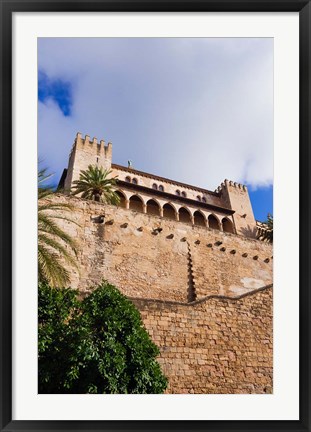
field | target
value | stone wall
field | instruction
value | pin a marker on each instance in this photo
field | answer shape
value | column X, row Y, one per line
column 217, row 345
column 202, row 293
column 151, row 257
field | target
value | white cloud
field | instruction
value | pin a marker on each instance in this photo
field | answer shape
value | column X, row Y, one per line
column 195, row 110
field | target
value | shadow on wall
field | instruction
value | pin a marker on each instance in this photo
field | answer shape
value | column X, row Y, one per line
column 191, row 285
column 249, row 232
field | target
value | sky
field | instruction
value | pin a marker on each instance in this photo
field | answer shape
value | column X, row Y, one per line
column 197, row 110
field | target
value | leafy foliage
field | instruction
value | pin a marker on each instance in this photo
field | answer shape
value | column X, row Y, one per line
column 97, row 345
column 55, row 246
column 267, row 233
column 95, row 184
column 55, row 307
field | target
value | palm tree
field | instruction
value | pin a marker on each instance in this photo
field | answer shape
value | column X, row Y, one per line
column 95, row 184
column 266, row 233
column 55, row 246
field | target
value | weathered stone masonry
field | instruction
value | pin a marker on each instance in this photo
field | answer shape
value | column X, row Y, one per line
column 138, row 254
column 188, row 259
column 216, row 345
column 208, row 344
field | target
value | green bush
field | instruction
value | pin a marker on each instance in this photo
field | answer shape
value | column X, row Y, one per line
column 97, row 345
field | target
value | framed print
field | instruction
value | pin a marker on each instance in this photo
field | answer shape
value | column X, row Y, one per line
column 147, row 148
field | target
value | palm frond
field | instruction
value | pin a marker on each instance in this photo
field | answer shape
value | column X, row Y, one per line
column 43, row 177
column 46, row 225
column 55, row 206
column 266, row 232
column 95, row 183
column 50, row 269
column 55, row 246
column 46, row 240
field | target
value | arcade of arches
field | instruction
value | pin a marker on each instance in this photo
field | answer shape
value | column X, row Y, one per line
column 168, row 211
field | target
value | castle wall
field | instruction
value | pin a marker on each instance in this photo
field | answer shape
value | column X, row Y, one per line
column 215, row 346
column 218, row 344
column 177, row 262
column 234, row 267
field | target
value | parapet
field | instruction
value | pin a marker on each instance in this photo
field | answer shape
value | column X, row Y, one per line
column 85, row 152
column 100, row 148
column 227, row 183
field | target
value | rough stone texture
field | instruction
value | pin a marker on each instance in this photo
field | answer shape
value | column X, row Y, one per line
column 216, row 345
column 209, row 343
column 138, row 254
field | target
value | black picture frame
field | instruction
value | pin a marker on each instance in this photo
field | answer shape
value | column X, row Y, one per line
column 7, row 9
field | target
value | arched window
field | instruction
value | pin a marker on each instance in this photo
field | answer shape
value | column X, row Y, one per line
column 122, row 199
column 184, row 215
column 204, row 199
column 178, row 192
column 199, row 219
column 155, row 186
column 227, row 226
column 198, row 198
column 184, row 194
column 169, row 212
column 161, row 188
column 128, row 179
column 153, row 207
column 134, row 181
column 213, row 222
column 136, row 203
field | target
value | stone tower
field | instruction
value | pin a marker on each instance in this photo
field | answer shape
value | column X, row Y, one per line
column 235, row 196
column 84, row 153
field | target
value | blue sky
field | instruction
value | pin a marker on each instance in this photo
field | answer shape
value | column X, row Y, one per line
column 262, row 202
column 197, row 110
column 56, row 89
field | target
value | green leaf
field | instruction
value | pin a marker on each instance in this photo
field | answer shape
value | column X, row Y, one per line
column 96, row 345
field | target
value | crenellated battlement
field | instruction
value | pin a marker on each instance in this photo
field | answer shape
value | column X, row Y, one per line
column 98, row 147
column 235, row 196
column 231, row 183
